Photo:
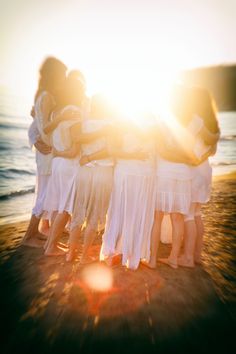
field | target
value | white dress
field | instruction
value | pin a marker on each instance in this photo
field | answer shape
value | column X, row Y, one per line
column 201, row 174
column 93, row 183
column 43, row 162
column 33, row 134
column 132, row 205
column 173, row 183
column 60, row 186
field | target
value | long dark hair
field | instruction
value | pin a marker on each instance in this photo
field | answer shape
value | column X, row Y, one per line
column 205, row 107
column 51, row 70
column 187, row 101
column 180, row 104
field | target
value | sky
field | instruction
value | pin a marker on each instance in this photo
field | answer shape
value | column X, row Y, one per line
column 120, row 45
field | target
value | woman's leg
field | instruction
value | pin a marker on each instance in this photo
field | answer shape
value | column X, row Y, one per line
column 44, row 227
column 56, row 231
column 177, row 221
column 155, row 239
column 73, row 243
column 190, row 236
column 53, row 217
column 30, row 239
column 32, row 233
column 89, row 237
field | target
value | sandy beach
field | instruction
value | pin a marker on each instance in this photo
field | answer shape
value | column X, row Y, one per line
column 47, row 305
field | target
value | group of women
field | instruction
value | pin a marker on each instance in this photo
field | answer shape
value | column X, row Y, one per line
column 97, row 171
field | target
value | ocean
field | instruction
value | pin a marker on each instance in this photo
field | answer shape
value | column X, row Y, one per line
column 17, row 163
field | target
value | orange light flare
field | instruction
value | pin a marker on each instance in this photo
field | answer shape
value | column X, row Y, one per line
column 98, row 277
column 114, row 292
column 96, row 280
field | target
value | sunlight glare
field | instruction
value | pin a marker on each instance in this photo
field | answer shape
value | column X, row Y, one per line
column 136, row 96
column 98, row 277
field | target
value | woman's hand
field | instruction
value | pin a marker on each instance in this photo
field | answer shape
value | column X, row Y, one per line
column 42, row 147
column 32, row 112
column 55, row 152
column 84, row 160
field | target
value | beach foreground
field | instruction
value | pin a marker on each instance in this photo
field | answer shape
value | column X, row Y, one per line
column 49, row 306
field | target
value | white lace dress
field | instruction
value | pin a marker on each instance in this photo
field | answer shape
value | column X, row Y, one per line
column 93, row 183
column 60, row 186
column 132, row 205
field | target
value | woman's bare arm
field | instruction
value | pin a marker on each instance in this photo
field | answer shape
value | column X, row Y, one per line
column 177, row 155
column 85, row 138
column 59, row 117
column 68, row 154
column 208, row 137
column 99, row 155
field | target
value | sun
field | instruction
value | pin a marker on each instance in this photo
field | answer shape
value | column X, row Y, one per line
column 136, row 90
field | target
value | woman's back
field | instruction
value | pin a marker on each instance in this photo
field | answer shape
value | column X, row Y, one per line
column 61, row 136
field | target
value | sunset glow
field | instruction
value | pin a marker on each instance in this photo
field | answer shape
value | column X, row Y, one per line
column 131, row 51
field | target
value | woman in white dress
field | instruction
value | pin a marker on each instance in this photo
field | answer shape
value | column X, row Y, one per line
column 196, row 107
column 131, row 209
column 36, row 142
column 174, row 180
column 59, row 199
column 93, row 183
column 52, row 77
column 173, row 191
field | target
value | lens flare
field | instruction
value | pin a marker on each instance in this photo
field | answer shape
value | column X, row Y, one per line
column 98, row 277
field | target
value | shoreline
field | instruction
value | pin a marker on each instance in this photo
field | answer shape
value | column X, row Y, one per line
column 19, row 219
column 227, row 176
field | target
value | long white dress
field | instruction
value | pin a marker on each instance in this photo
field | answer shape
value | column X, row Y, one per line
column 93, row 183
column 43, row 162
column 60, row 186
column 131, row 210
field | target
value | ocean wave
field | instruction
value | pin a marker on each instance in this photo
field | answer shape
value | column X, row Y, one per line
column 228, row 138
column 8, row 171
column 15, row 126
column 13, row 116
column 222, row 163
column 17, row 193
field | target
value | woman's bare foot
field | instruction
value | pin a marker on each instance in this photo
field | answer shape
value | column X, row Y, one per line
column 71, row 255
column 113, row 260
column 108, row 261
column 87, row 260
column 41, row 236
column 33, row 242
column 150, row 264
column 168, row 262
column 198, row 261
column 54, row 251
column 63, row 245
column 184, row 262
column 44, row 227
column 44, row 231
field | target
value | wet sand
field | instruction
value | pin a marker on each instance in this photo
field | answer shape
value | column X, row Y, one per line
column 47, row 306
